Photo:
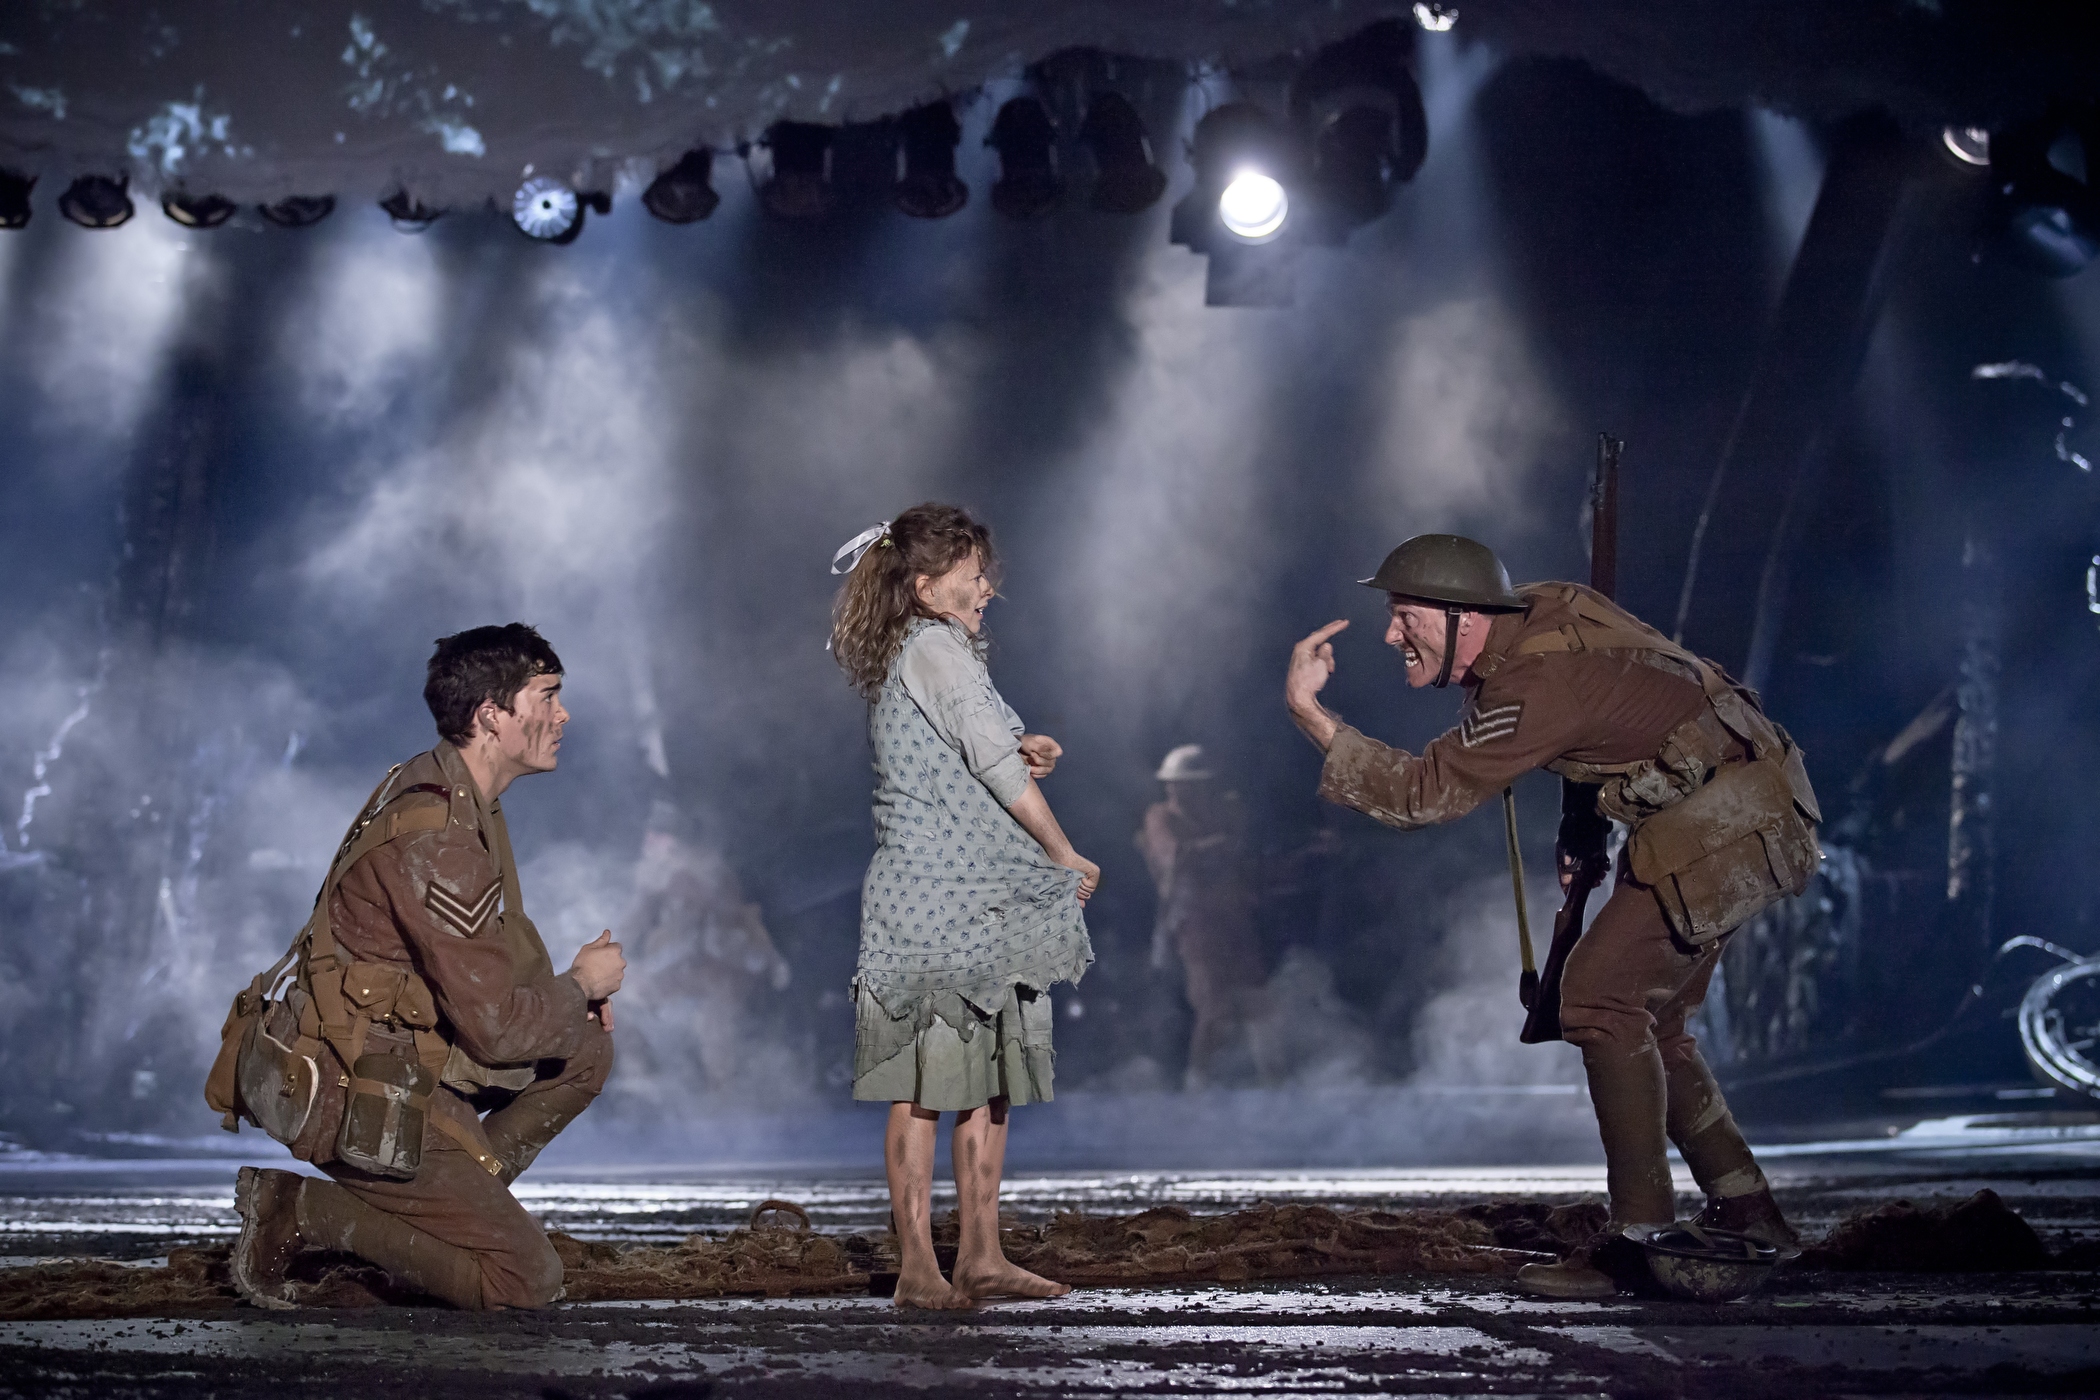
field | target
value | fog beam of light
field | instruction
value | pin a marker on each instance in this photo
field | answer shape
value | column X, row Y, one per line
column 1169, row 549
column 366, row 332
column 1790, row 171
column 1468, row 410
column 104, row 323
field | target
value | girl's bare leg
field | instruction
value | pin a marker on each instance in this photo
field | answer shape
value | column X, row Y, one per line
column 907, row 1152
column 981, row 1267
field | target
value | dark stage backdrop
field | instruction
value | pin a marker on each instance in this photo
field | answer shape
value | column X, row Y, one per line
column 249, row 475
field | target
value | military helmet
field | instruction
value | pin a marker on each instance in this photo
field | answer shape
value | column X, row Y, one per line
column 1184, row 765
column 1448, row 569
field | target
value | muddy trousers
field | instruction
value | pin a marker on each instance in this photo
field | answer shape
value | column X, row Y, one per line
column 1627, row 990
column 455, row 1231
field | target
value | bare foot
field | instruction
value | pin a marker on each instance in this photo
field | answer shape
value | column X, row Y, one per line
column 930, row 1291
column 1005, row 1280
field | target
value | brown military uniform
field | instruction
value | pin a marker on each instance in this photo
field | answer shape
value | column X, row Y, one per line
column 1718, row 806
column 443, row 904
column 1200, row 868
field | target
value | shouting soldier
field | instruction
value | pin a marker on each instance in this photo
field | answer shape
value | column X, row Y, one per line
column 425, row 997
column 1720, row 817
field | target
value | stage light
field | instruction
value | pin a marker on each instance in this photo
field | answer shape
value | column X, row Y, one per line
column 929, row 189
column 409, row 214
column 797, row 188
column 1435, row 18
column 1971, row 145
column 14, row 198
column 547, row 211
column 1128, row 181
column 96, row 201
column 2048, row 212
column 198, row 211
column 1358, row 103
column 300, row 211
column 1026, row 140
column 1253, row 207
column 684, row 194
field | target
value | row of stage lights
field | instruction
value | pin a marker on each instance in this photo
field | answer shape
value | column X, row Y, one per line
column 1353, row 131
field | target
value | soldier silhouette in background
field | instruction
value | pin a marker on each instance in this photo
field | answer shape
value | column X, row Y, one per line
column 1195, row 844
column 703, row 954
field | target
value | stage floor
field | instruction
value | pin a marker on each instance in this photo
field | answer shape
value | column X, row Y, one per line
column 1808, row 1334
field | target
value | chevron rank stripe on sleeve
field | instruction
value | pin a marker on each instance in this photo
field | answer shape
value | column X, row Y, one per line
column 460, row 916
column 1480, row 726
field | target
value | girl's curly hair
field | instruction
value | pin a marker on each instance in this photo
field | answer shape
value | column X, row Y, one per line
column 879, row 599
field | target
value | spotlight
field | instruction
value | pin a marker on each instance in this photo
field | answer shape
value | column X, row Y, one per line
column 300, row 211
column 1128, row 181
column 1359, row 105
column 14, row 198
column 198, row 211
column 1240, row 215
column 96, row 201
column 1246, row 161
column 1971, row 145
column 547, row 210
column 1253, row 207
column 684, row 194
column 409, row 214
column 797, row 188
column 929, row 189
column 1026, row 139
column 2048, row 211
column 1435, row 18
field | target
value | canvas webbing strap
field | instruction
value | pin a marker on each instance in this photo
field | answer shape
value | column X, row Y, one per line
column 471, row 1140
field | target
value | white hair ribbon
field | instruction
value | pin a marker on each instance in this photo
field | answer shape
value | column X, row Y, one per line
column 850, row 553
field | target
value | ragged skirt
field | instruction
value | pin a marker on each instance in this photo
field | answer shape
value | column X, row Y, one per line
column 945, row 1054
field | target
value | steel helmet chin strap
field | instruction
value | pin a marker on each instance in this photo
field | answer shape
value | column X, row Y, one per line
column 1451, row 616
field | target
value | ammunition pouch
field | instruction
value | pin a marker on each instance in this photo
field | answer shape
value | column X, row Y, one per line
column 383, row 1121
column 1729, row 850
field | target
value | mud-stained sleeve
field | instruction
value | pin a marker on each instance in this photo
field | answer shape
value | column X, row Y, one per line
column 1512, row 725
column 952, row 690
column 442, row 890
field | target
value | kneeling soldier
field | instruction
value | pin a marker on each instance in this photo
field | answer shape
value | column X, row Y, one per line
column 421, row 996
column 1720, row 817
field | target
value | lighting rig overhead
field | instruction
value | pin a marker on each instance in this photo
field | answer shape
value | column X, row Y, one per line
column 1127, row 181
column 2048, row 207
column 409, row 214
column 1026, row 139
column 96, row 201
column 300, row 211
column 550, row 212
column 928, row 187
column 1359, row 107
column 684, row 194
column 799, row 187
column 198, row 211
column 14, row 198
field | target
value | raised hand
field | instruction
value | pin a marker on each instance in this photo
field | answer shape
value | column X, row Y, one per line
column 1312, row 663
column 1041, row 752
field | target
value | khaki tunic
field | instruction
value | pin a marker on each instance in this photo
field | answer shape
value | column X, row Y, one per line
column 1631, row 982
column 445, row 905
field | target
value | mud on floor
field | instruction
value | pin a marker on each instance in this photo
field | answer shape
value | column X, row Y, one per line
column 779, row 1255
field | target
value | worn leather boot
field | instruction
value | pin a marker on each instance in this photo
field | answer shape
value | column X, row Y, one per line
column 1756, row 1215
column 268, row 1202
column 332, row 1218
column 1606, row 1264
column 1627, row 1091
column 1738, row 1197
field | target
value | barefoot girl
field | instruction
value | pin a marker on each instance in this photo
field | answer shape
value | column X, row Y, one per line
column 971, row 908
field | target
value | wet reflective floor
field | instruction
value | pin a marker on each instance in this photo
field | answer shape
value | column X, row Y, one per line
column 1805, row 1335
